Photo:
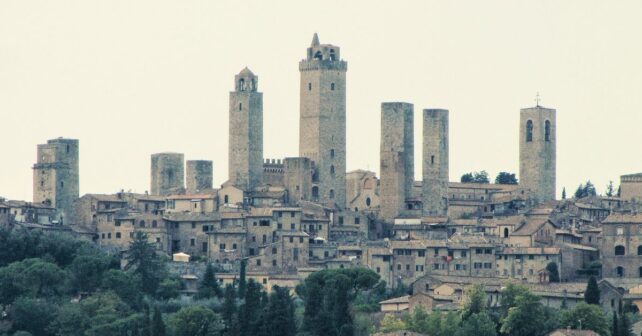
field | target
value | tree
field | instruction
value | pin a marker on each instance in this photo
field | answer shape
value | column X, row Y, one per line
column 280, row 313
column 479, row 324
column 467, row 178
column 196, row 321
column 158, row 326
column 626, row 329
column 475, row 302
column 615, row 327
column 145, row 263
column 391, row 323
column 505, row 178
column 169, row 288
column 32, row 315
column 510, row 295
column 209, row 287
column 242, row 280
column 592, row 292
column 553, row 273
column 475, row 177
column 70, row 320
column 250, row 310
column 587, row 317
column 525, row 319
column 585, row 190
column 564, row 193
column 610, row 189
column 87, row 271
column 124, row 285
column 228, row 311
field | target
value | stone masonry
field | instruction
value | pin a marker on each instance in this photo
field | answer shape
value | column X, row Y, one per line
column 56, row 179
column 322, row 136
column 537, row 151
column 435, row 163
column 246, row 132
column 167, row 173
column 297, row 178
column 199, row 175
column 397, row 158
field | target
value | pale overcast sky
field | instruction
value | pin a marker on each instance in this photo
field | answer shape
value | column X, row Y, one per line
column 132, row 78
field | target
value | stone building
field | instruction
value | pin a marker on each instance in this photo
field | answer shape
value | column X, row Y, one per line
column 167, row 173
column 397, row 158
column 631, row 187
column 56, row 176
column 322, row 129
column 537, row 151
column 435, row 163
column 363, row 191
column 199, row 175
column 621, row 246
column 246, row 132
column 297, row 179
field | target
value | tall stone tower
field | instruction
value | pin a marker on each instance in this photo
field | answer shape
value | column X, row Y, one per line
column 435, row 163
column 537, row 151
column 246, row 132
column 397, row 157
column 322, row 126
column 168, row 173
column 56, row 179
column 199, row 175
column 297, row 178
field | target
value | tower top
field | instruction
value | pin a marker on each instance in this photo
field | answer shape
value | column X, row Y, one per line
column 315, row 40
column 322, row 52
column 246, row 80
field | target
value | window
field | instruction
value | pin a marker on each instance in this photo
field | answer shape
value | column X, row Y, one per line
column 529, row 131
column 331, row 193
column 240, row 106
column 274, row 250
column 332, row 86
column 640, row 250
column 264, row 239
column 479, row 251
column 619, row 230
column 141, row 223
column 241, row 84
column 117, row 223
column 292, row 214
column 273, row 263
column 547, row 131
column 619, row 250
column 226, row 199
column 463, row 254
column 505, row 232
column 251, row 251
column 309, row 86
column 421, row 253
column 258, row 262
column 221, row 246
column 332, row 153
column 357, row 220
column 300, row 239
column 432, row 159
column 368, row 201
column 399, row 267
column 158, row 240
column 292, row 226
column 192, row 242
column 488, row 265
column 619, row 271
column 291, row 239
column 531, row 257
column 109, row 235
column 204, row 247
column 295, row 254
column 193, row 225
column 378, row 270
column 332, row 170
column 234, row 246
column 118, row 235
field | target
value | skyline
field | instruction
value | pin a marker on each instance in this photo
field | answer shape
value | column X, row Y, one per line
column 191, row 106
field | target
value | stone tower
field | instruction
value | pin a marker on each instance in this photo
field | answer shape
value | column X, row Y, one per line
column 297, row 178
column 537, row 153
column 397, row 158
column 168, row 173
column 199, row 175
column 322, row 126
column 56, row 179
column 246, row 132
column 435, row 163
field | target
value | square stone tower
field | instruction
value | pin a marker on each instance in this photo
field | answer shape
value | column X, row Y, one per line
column 537, row 152
column 246, row 132
column 56, row 177
column 199, row 175
column 322, row 127
column 397, row 157
column 435, row 163
column 297, row 178
column 168, row 173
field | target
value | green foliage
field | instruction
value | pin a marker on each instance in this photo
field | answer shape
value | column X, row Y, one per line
column 158, row 325
column 475, row 301
column 625, row 326
column 229, row 313
column 250, row 310
column 526, row 315
column 31, row 277
column 279, row 317
column 143, row 261
column 475, row 177
column 564, row 193
column 242, row 280
column 125, row 285
column 391, row 323
column 610, row 189
column 196, row 321
column 209, row 286
column 87, row 271
column 592, row 292
column 32, row 315
column 506, row 178
column 587, row 317
column 479, row 324
column 169, row 288
column 585, row 190
column 553, row 273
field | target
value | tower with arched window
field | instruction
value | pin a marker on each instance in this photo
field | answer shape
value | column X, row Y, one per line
column 246, row 132
column 435, row 162
column 322, row 123
column 537, row 151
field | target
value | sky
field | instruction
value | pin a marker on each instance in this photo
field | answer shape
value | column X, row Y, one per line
column 132, row 78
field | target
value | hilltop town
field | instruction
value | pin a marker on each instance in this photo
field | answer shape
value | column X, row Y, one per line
column 283, row 219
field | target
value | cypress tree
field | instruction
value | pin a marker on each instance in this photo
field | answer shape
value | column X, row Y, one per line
column 249, row 312
column 228, row 311
column 625, row 325
column 592, row 293
column 616, row 327
column 209, row 286
column 158, row 326
column 242, row 281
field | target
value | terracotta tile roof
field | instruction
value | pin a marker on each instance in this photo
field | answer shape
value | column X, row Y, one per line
column 623, row 218
column 191, row 197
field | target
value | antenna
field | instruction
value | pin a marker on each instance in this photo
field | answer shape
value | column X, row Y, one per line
column 537, row 99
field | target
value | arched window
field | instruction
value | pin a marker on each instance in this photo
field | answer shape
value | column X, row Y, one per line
column 505, row 232
column 332, row 170
column 547, row 131
column 368, row 201
column 332, row 55
column 142, row 223
column 315, row 192
column 529, row 131
column 619, row 271
column 332, row 86
column 318, row 55
column 241, row 84
column 154, row 223
column 619, row 250
column 331, row 193
column 640, row 250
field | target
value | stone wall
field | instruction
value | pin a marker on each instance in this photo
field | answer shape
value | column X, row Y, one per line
column 167, row 173
column 435, row 162
column 199, row 175
column 537, row 151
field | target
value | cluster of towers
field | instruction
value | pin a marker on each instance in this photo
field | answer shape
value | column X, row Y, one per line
column 319, row 173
